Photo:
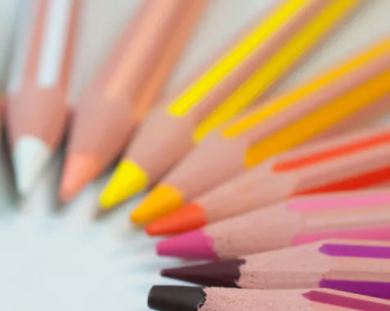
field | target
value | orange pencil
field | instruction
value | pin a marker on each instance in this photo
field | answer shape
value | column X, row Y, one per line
column 262, row 56
column 351, row 161
column 361, row 215
column 130, row 81
column 37, row 96
column 358, row 84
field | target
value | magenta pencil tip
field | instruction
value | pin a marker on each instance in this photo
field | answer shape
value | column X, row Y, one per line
column 191, row 245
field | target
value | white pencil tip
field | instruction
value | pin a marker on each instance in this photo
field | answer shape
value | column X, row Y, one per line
column 29, row 156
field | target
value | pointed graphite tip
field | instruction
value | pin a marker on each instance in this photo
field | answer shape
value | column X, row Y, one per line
column 214, row 274
column 127, row 180
column 176, row 298
column 30, row 155
column 79, row 170
column 189, row 217
column 161, row 201
column 191, row 245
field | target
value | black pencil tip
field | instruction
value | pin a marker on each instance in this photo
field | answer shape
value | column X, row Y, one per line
column 223, row 273
column 176, row 298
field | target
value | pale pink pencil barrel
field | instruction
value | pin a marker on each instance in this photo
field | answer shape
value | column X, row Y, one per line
column 35, row 108
column 302, row 220
column 220, row 299
column 172, row 52
column 310, row 266
column 104, row 118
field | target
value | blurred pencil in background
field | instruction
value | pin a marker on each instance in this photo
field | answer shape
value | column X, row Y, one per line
column 37, row 96
column 278, row 125
column 350, row 215
column 183, row 298
column 7, row 23
column 360, row 267
column 250, row 70
column 351, row 161
column 130, row 81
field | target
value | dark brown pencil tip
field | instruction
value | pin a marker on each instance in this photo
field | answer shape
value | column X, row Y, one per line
column 176, row 298
column 222, row 273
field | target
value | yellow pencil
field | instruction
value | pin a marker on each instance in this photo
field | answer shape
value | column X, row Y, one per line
column 359, row 84
column 247, row 72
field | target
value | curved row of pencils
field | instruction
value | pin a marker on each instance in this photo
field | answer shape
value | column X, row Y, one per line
column 254, row 180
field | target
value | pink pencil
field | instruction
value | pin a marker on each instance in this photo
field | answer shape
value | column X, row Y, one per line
column 356, row 215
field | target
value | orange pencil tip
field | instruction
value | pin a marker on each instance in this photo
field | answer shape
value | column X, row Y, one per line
column 78, row 171
column 162, row 201
column 190, row 217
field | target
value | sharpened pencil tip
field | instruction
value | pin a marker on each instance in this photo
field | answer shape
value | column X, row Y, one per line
column 191, row 245
column 219, row 273
column 29, row 156
column 176, row 298
column 79, row 170
column 161, row 201
column 189, row 217
column 127, row 180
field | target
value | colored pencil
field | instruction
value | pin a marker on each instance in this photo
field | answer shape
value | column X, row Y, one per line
column 300, row 220
column 7, row 22
column 347, row 162
column 281, row 124
column 8, row 14
column 131, row 80
column 360, row 267
column 37, row 95
column 182, row 298
column 266, row 54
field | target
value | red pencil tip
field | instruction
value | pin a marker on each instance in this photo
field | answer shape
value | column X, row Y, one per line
column 190, row 217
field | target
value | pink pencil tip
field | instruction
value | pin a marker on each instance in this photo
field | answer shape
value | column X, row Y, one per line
column 191, row 245
column 78, row 171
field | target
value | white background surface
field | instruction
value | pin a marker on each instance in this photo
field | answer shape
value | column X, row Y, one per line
column 55, row 257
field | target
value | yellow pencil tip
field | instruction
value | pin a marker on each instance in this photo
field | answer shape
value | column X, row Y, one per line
column 127, row 180
column 161, row 201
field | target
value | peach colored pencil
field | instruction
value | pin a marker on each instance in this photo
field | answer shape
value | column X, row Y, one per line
column 347, row 162
column 357, row 266
column 37, row 103
column 280, row 124
column 262, row 57
column 130, row 81
column 182, row 298
column 356, row 215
